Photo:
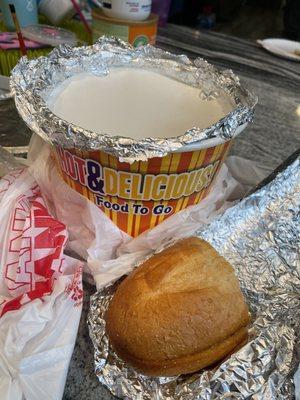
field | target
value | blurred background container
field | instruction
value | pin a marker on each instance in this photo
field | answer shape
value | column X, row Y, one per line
column 26, row 11
column 161, row 8
column 56, row 10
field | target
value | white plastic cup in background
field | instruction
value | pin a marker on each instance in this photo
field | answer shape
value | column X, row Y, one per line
column 134, row 10
column 56, row 10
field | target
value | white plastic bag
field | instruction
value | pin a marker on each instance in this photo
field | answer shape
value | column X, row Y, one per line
column 84, row 221
column 40, row 294
column 110, row 252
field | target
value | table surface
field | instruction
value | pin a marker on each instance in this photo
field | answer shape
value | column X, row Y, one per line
column 273, row 136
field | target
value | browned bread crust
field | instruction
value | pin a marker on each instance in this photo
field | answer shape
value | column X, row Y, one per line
column 181, row 311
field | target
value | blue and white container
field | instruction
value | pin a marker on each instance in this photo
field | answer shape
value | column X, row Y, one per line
column 26, row 11
column 137, row 10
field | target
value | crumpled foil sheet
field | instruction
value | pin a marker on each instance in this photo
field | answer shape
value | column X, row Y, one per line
column 260, row 237
column 33, row 81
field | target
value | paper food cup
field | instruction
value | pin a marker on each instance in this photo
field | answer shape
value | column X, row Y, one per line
column 136, row 183
column 138, row 196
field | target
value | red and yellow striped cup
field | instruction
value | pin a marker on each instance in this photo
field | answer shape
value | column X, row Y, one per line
column 138, row 196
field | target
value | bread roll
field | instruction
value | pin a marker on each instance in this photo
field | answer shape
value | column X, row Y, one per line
column 181, row 311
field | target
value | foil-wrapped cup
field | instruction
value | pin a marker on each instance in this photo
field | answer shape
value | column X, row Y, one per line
column 260, row 238
column 137, row 183
column 33, row 81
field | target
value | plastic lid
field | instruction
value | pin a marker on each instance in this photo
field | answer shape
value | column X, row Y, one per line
column 50, row 35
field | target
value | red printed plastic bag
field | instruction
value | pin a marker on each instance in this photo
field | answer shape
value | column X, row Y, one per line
column 40, row 294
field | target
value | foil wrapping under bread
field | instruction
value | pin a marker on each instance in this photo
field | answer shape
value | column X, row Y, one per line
column 259, row 236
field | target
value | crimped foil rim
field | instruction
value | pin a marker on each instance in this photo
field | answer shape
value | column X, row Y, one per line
column 33, row 80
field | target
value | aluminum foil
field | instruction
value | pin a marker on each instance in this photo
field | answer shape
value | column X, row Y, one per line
column 33, row 81
column 260, row 238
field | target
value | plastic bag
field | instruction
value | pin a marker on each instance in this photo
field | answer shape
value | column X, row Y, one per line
column 94, row 237
column 40, row 294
